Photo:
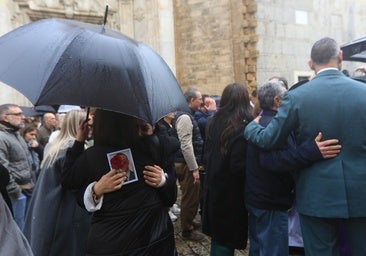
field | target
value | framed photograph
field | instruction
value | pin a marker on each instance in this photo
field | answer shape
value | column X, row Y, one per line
column 122, row 160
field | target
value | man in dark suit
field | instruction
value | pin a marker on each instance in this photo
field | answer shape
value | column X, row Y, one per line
column 334, row 190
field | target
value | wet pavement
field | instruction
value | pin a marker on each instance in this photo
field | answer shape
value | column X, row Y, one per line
column 189, row 248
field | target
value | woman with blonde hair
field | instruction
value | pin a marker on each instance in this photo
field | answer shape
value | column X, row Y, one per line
column 55, row 223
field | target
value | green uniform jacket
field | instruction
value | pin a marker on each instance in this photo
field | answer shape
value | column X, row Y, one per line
column 335, row 105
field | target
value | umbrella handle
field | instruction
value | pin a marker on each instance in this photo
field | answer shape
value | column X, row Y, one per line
column 87, row 113
column 105, row 15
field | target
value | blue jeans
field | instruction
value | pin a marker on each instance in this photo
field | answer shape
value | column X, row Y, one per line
column 19, row 208
column 268, row 232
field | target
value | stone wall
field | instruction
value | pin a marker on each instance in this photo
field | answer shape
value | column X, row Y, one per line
column 287, row 29
column 215, row 44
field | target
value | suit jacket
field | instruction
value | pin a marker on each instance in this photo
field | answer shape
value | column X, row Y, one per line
column 333, row 104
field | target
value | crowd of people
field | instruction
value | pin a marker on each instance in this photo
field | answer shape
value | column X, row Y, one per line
column 280, row 167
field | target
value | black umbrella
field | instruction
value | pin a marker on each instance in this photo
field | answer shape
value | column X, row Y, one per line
column 66, row 62
column 37, row 110
column 360, row 78
column 355, row 50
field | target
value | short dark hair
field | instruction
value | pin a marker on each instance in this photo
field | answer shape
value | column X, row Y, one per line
column 324, row 50
column 27, row 128
column 204, row 96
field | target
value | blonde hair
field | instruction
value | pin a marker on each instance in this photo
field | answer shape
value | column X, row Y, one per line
column 67, row 135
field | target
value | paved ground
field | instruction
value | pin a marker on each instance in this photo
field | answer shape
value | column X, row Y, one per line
column 188, row 248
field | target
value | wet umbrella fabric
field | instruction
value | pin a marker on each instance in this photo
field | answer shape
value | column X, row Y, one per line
column 37, row 110
column 57, row 61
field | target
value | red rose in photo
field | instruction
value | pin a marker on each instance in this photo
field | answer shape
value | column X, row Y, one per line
column 119, row 162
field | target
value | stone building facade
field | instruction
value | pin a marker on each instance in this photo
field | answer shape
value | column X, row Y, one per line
column 210, row 43
column 287, row 29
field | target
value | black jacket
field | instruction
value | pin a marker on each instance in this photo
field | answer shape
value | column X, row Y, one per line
column 4, row 180
column 133, row 220
column 225, row 217
column 269, row 177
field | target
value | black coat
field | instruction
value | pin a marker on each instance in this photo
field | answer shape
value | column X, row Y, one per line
column 55, row 224
column 4, row 180
column 225, row 217
column 133, row 220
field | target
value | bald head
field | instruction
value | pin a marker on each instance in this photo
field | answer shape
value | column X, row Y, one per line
column 49, row 120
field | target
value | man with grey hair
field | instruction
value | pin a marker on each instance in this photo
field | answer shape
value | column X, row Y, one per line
column 269, row 179
column 187, row 164
column 49, row 124
column 329, row 193
column 15, row 157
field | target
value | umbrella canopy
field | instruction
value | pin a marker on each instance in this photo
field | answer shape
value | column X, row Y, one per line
column 37, row 110
column 360, row 78
column 355, row 50
column 66, row 62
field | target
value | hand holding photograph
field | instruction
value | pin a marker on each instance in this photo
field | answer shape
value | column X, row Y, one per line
column 122, row 161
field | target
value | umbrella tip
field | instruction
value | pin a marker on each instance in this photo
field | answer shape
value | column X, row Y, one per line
column 105, row 15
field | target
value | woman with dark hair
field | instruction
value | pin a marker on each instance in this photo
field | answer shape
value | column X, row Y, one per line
column 29, row 133
column 128, row 219
column 225, row 218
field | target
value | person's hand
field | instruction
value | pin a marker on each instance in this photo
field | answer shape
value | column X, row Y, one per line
column 361, row 69
column 90, row 126
column 109, row 182
column 196, row 176
column 34, row 143
column 211, row 105
column 328, row 148
column 82, row 132
column 153, row 175
column 257, row 119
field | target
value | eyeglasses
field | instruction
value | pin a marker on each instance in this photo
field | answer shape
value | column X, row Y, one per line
column 15, row 114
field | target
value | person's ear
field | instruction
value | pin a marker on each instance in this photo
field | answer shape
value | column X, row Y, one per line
column 4, row 117
column 340, row 56
column 311, row 65
column 275, row 101
column 191, row 101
